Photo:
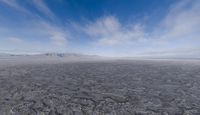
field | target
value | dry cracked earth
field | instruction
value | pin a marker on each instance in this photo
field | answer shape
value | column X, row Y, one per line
column 101, row 88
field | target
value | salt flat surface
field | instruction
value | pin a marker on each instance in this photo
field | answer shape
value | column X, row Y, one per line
column 99, row 87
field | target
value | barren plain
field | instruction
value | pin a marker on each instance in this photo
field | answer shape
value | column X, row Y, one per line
column 112, row 87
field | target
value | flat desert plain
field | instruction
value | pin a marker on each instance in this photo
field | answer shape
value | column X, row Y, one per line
column 103, row 87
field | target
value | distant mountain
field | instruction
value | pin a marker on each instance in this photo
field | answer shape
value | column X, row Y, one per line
column 49, row 57
column 8, row 54
column 69, row 55
column 50, row 54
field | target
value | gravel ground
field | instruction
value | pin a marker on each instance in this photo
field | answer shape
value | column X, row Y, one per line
column 101, row 88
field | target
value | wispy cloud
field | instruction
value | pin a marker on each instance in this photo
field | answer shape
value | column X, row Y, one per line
column 109, row 31
column 42, row 7
column 57, row 35
column 180, row 29
column 182, row 21
column 16, row 5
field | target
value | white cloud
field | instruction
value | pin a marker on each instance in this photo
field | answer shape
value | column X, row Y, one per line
column 14, row 4
column 177, row 34
column 57, row 35
column 39, row 5
column 109, row 31
column 182, row 21
column 58, row 38
column 179, row 31
column 42, row 7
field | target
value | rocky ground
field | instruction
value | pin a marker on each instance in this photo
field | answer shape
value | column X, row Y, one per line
column 101, row 88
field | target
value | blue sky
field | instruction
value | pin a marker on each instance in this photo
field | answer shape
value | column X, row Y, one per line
column 101, row 27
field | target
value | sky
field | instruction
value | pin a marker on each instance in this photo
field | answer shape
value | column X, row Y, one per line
column 122, row 28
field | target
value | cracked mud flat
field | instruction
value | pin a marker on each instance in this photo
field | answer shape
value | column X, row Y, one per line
column 101, row 88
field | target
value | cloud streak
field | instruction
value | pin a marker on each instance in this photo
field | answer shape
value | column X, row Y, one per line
column 20, row 6
column 15, row 4
column 182, row 21
column 57, row 35
column 42, row 7
column 109, row 31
